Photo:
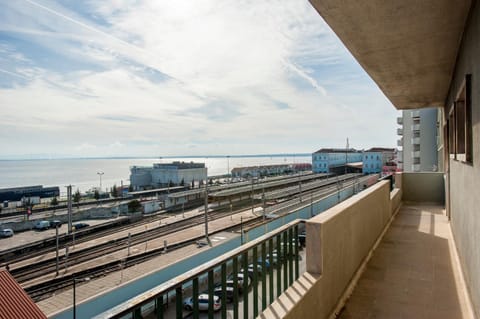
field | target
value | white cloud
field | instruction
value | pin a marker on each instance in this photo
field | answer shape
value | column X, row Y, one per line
column 176, row 77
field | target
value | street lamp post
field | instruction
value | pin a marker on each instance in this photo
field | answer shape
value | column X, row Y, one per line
column 100, row 175
column 206, row 213
column 228, row 168
column 75, row 280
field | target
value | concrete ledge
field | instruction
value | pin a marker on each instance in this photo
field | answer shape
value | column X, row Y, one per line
column 425, row 187
column 338, row 242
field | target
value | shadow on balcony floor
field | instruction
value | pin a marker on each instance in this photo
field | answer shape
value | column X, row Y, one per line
column 413, row 273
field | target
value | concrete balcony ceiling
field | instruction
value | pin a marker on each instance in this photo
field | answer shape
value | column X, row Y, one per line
column 408, row 47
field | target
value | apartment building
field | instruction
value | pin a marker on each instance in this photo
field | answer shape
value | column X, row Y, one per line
column 418, row 139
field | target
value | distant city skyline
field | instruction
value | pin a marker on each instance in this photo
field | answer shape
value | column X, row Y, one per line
column 180, row 78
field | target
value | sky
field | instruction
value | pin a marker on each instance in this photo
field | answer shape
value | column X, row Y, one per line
column 179, row 78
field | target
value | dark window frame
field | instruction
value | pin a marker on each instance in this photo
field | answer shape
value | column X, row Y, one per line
column 460, row 124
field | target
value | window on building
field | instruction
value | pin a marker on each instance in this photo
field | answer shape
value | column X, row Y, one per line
column 462, row 110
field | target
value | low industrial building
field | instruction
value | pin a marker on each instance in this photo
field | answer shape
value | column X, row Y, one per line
column 15, row 194
column 325, row 159
column 269, row 170
column 168, row 174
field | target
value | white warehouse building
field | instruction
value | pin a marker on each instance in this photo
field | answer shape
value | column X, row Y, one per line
column 161, row 175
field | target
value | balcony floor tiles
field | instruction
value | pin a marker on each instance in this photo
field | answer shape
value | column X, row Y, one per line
column 413, row 272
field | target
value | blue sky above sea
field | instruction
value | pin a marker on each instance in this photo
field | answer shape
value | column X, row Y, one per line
column 180, row 78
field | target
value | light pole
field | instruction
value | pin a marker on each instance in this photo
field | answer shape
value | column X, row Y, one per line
column 228, row 168
column 100, row 175
column 75, row 280
column 206, row 213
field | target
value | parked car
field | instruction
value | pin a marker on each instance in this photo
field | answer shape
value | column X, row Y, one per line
column 251, row 269
column 240, row 281
column 229, row 291
column 6, row 232
column 42, row 225
column 267, row 262
column 55, row 223
column 302, row 238
column 202, row 303
column 80, row 225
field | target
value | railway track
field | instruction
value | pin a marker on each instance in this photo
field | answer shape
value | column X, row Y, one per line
column 28, row 272
column 44, row 290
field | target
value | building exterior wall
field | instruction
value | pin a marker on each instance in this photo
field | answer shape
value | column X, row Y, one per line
column 419, row 140
column 428, row 140
column 162, row 174
column 372, row 162
column 322, row 161
column 140, row 177
column 464, row 178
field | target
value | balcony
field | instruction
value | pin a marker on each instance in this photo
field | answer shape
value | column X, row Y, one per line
column 415, row 140
column 416, row 127
column 400, row 120
column 400, row 131
column 382, row 253
column 400, row 142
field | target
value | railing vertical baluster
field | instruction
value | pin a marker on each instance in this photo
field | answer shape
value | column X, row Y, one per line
column 290, row 253
column 286, row 263
column 224, row 290
column 245, row 284
column 297, row 252
column 159, row 307
column 236, row 286
column 285, row 260
column 255, row 282
column 179, row 302
column 270, row 270
column 195, row 298
column 137, row 313
column 279, row 266
column 264, row 276
column 210, row 294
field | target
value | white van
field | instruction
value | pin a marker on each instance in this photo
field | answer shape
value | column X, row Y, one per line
column 42, row 225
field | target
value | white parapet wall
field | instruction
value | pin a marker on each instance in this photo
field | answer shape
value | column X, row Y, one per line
column 338, row 242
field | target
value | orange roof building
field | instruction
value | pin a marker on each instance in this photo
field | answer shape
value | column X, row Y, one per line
column 14, row 301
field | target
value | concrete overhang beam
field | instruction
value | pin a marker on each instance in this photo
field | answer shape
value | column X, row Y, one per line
column 408, row 47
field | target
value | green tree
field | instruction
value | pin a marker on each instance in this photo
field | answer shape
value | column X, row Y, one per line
column 77, row 196
column 114, row 191
column 96, row 195
column 134, row 206
column 54, row 202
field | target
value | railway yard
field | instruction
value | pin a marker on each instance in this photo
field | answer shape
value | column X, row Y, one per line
column 119, row 250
